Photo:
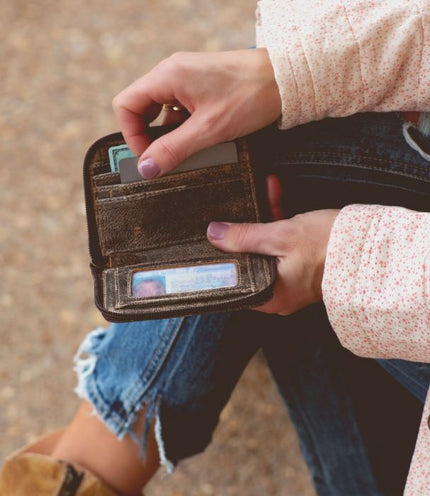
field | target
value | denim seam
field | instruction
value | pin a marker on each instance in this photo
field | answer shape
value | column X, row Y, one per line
column 169, row 335
column 411, row 378
column 356, row 154
column 103, row 407
column 417, row 383
column 360, row 166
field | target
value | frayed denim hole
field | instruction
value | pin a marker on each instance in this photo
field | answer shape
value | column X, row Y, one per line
column 169, row 466
column 424, row 123
column 152, row 405
column 417, row 140
column 85, row 360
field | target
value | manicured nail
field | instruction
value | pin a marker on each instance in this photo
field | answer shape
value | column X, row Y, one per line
column 148, row 168
column 217, row 230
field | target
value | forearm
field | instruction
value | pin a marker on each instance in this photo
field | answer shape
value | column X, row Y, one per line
column 376, row 284
column 339, row 57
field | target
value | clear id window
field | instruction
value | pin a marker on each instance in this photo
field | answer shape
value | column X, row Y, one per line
column 146, row 283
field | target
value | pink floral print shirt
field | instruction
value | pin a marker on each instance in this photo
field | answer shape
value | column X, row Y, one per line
column 333, row 58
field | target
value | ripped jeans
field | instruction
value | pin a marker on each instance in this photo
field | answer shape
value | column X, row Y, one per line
column 346, row 409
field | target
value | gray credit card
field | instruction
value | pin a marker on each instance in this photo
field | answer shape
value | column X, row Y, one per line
column 224, row 153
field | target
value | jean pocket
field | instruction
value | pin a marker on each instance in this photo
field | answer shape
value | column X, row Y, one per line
column 311, row 186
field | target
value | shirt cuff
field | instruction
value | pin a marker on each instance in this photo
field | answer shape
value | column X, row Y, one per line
column 376, row 284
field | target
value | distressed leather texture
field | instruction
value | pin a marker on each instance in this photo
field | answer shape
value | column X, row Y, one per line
column 161, row 223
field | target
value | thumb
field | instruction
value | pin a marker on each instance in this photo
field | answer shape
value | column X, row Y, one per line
column 168, row 151
column 245, row 238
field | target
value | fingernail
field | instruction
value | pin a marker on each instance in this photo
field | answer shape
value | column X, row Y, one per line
column 148, row 168
column 217, row 230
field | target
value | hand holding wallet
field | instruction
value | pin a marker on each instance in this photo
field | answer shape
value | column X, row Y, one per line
column 150, row 257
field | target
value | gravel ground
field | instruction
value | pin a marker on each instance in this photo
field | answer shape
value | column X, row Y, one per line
column 61, row 63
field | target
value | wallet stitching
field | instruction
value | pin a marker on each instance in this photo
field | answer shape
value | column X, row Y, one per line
column 182, row 298
column 175, row 177
column 252, row 187
column 154, row 245
column 251, row 274
column 105, row 285
column 106, row 176
column 265, row 264
column 166, row 180
column 164, row 191
column 205, row 259
column 208, row 170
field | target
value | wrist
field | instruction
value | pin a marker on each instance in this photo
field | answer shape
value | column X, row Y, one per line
column 321, row 254
column 268, row 87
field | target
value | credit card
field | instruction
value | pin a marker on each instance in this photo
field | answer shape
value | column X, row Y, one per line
column 116, row 154
column 184, row 279
column 122, row 159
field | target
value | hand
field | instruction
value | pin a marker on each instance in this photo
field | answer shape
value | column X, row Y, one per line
column 226, row 94
column 299, row 245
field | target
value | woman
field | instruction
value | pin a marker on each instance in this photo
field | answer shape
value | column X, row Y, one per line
column 315, row 60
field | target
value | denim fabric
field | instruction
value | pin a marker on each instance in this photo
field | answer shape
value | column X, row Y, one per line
column 415, row 377
column 346, row 409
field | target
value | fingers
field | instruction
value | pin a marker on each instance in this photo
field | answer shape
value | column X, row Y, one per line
column 266, row 239
column 138, row 105
column 168, row 151
column 133, row 114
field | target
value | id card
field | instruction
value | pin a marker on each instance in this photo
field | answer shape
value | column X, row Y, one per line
column 146, row 283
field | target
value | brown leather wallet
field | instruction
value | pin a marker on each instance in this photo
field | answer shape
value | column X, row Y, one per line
column 153, row 226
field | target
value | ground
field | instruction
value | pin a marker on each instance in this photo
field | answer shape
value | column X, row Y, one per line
column 61, row 63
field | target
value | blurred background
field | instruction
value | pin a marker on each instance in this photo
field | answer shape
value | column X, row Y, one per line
column 61, row 62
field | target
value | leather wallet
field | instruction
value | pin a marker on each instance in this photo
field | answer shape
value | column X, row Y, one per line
column 152, row 234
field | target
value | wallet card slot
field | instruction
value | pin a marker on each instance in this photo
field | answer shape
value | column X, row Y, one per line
column 170, row 216
column 99, row 167
column 106, row 179
column 221, row 172
column 185, row 252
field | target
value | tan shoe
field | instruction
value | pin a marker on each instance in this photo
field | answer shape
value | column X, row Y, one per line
column 31, row 472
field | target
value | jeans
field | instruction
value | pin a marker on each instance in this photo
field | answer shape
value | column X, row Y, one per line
column 345, row 409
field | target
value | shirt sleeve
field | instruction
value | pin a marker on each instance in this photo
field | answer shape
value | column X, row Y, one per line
column 376, row 284
column 334, row 58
